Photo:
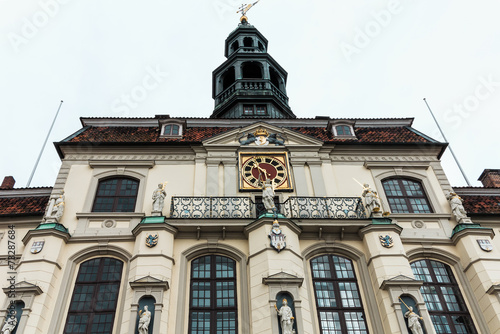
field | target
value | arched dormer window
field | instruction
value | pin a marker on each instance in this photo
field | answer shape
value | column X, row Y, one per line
column 406, row 196
column 172, row 127
column 171, row 130
column 343, row 129
column 118, row 194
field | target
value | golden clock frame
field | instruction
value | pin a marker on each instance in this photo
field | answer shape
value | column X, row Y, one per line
column 283, row 156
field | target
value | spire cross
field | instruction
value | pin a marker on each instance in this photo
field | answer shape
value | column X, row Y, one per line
column 245, row 8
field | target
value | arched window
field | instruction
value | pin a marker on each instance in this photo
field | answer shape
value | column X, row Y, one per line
column 171, row 130
column 252, row 70
column 406, row 196
column 343, row 130
column 248, row 42
column 116, row 195
column 235, row 46
column 95, row 297
column 442, row 297
column 228, row 78
column 213, row 307
column 275, row 78
column 338, row 301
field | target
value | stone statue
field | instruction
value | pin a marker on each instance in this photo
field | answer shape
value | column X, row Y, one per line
column 58, row 208
column 286, row 318
column 457, row 207
column 10, row 324
column 371, row 199
column 413, row 322
column 144, row 319
column 268, row 196
column 159, row 197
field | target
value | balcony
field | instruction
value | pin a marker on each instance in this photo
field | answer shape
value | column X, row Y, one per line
column 246, row 208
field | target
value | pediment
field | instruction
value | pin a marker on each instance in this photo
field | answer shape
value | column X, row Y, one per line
column 149, row 282
column 25, row 287
column 283, row 278
column 290, row 137
column 148, row 279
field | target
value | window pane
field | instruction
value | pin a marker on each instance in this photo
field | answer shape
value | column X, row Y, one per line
column 406, row 196
column 200, row 323
column 321, row 267
column 201, row 267
column 440, row 272
column 201, row 294
column 392, row 188
column 355, row 323
column 106, row 297
column 349, row 294
column 325, row 295
column 343, row 267
column 102, row 323
column 226, row 322
column 175, row 130
column 82, row 298
column 224, row 267
column 168, row 130
column 88, row 271
column 421, row 271
column 125, row 204
column 441, row 324
column 116, row 195
column 103, row 204
column 112, row 270
column 76, row 324
column 225, row 294
column 107, row 188
column 431, row 298
column 330, row 323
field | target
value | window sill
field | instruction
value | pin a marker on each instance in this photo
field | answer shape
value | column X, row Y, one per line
column 110, row 214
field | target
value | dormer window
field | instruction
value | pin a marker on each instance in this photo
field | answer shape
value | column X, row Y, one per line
column 171, row 130
column 172, row 127
column 342, row 129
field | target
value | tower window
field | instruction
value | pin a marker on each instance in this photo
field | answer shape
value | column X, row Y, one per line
column 228, row 78
column 255, row 110
column 252, row 70
column 248, row 42
column 406, row 196
column 235, row 46
column 261, row 47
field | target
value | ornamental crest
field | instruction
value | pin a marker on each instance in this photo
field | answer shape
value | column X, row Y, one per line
column 37, row 247
column 277, row 237
column 151, row 240
column 386, row 241
column 262, row 138
column 485, row 245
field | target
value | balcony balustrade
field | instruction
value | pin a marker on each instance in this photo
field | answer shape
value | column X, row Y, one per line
column 245, row 207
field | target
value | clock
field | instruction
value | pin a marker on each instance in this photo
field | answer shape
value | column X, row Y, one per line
column 255, row 168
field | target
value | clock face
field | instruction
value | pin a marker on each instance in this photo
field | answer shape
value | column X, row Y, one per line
column 255, row 168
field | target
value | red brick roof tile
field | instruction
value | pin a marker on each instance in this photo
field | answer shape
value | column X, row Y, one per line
column 481, row 204
column 33, row 205
column 198, row 134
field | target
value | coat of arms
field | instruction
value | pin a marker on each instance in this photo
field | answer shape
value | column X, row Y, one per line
column 262, row 138
column 37, row 247
column 485, row 245
column 277, row 237
column 386, row 241
column 151, row 240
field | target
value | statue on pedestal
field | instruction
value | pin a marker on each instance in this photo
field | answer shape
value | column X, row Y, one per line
column 457, row 207
column 144, row 319
column 371, row 199
column 159, row 198
column 413, row 321
column 10, row 324
column 286, row 318
column 268, row 196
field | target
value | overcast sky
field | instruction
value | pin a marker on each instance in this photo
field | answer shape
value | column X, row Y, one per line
column 354, row 58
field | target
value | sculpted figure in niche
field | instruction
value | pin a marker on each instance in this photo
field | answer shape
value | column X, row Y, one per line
column 144, row 319
column 159, row 197
column 413, row 321
column 457, row 207
column 10, row 324
column 371, row 199
column 286, row 318
column 268, row 196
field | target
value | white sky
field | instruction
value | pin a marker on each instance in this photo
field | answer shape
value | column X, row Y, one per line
column 341, row 62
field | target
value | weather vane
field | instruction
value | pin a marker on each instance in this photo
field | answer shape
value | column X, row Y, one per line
column 244, row 9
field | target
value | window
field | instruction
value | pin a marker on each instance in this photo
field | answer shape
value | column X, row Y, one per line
column 406, row 196
column 213, row 307
column 338, row 301
column 343, row 130
column 442, row 297
column 251, row 110
column 116, row 195
column 93, row 304
column 171, row 130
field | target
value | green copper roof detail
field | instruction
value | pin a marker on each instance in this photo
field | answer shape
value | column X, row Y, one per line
column 52, row 226
column 381, row 221
column 461, row 227
column 271, row 215
column 153, row 220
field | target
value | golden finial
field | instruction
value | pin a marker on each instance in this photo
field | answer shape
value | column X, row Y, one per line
column 244, row 9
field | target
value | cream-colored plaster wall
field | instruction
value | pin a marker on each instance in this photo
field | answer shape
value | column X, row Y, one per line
column 344, row 176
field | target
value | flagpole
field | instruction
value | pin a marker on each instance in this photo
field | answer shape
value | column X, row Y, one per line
column 453, row 153
column 43, row 146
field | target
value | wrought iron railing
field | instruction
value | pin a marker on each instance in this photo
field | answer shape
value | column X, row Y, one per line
column 324, row 208
column 244, row 207
column 212, row 207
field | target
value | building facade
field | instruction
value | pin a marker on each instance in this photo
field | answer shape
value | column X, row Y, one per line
column 178, row 225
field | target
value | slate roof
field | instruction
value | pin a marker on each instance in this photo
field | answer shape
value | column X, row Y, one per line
column 23, row 206
column 198, row 134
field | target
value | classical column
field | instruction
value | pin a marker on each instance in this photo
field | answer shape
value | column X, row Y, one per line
column 213, row 178
column 230, row 178
column 317, row 178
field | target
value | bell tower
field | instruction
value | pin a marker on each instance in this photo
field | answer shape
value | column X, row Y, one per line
column 250, row 83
